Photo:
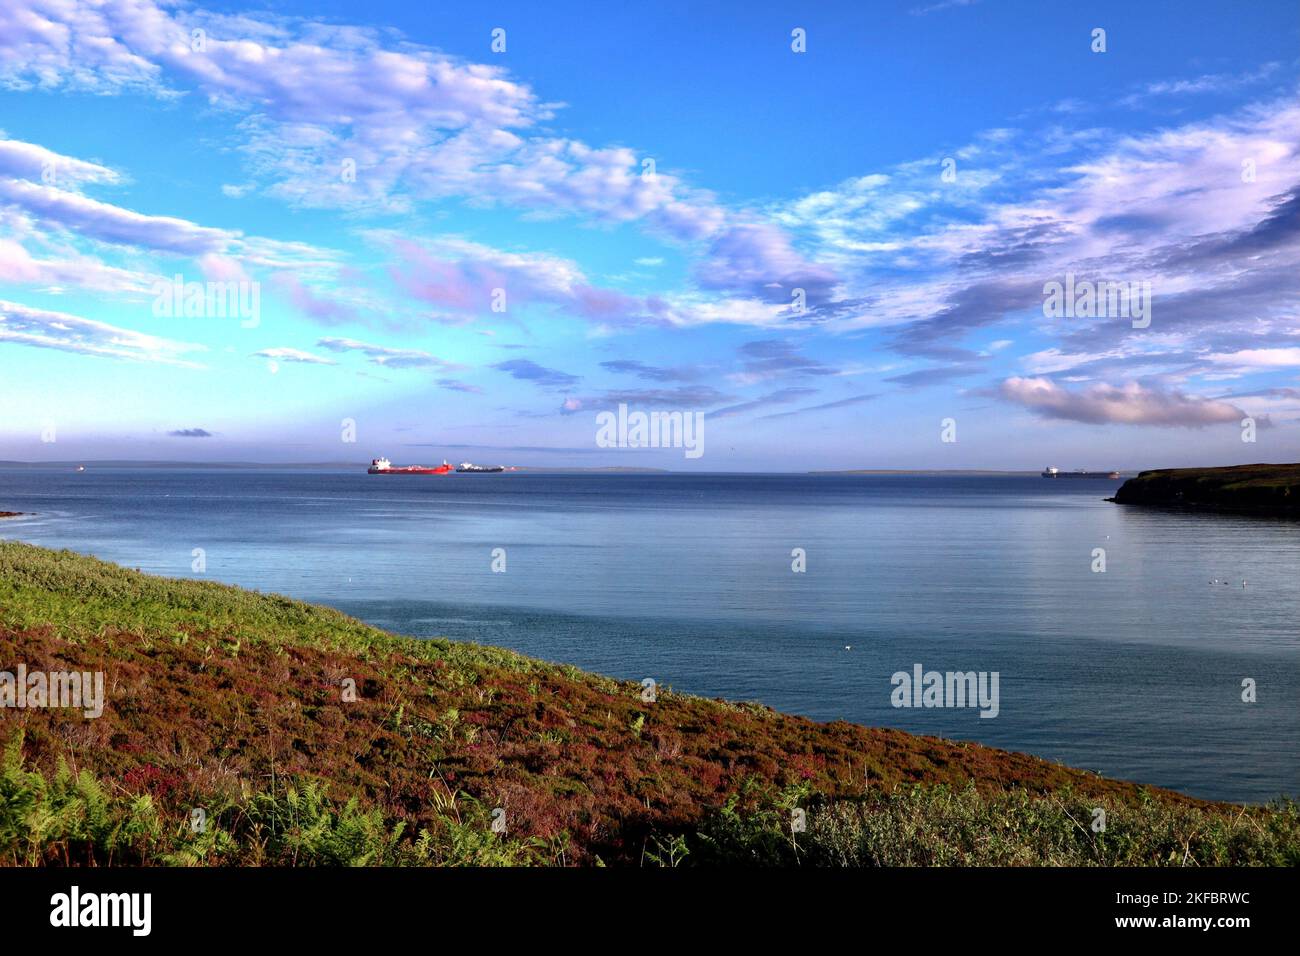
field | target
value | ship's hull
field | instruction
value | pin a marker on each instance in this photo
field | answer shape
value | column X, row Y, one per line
column 408, row 470
column 1111, row 475
column 484, row 470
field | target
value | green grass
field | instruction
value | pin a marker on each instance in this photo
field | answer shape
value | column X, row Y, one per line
column 943, row 826
column 84, row 598
column 1263, row 489
column 231, row 701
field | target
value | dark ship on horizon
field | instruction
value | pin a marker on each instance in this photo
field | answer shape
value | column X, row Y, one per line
column 1051, row 472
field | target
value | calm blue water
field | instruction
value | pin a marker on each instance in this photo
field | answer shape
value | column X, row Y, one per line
column 1135, row 673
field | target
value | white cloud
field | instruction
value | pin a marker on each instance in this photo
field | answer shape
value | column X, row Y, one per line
column 416, row 123
column 109, row 223
column 22, row 160
column 41, row 328
column 1260, row 358
column 285, row 354
column 388, row 357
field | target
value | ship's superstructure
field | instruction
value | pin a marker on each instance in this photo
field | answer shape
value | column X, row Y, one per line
column 382, row 466
column 1050, row 472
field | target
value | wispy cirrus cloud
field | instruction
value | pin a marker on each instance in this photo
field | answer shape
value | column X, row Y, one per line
column 697, row 397
column 45, row 185
column 767, row 359
column 41, row 204
column 455, row 385
column 1208, row 212
column 757, row 260
column 940, row 6
column 327, row 116
column 781, row 396
column 70, row 268
column 416, row 124
column 936, row 375
column 654, row 373
column 109, row 223
column 529, row 371
column 31, row 161
column 683, row 396
column 469, row 278
column 61, row 331
column 823, row 407
column 386, row 356
column 1204, row 83
column 298, row 356
column 466, row 281
column 348, row 117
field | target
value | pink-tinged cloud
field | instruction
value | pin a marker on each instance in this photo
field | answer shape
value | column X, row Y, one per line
column 17, row 265
column 217, row 268
column 467, row 278
column 1130, row 404
column 312, row 304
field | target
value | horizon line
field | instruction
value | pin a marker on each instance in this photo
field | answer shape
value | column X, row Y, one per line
column 156, row 462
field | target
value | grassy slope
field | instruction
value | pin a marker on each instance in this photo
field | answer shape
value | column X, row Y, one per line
column 1258, row 489
column 232, row 701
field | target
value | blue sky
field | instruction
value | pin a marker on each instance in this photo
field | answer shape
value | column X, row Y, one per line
column 646, row 194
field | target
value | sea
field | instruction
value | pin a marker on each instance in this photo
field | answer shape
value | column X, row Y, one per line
column 1146, row 645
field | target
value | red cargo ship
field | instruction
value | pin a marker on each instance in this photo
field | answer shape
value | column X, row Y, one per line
column 382, row 466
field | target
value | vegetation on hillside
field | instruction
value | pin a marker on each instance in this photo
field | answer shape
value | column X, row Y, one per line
column 239, row 704
column 1248, row 489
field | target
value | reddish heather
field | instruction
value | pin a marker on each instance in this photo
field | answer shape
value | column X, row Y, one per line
column 562, row 751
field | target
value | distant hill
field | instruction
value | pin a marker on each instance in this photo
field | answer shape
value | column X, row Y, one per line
column 921, row 471
column 236, row 709
column 1260, row 489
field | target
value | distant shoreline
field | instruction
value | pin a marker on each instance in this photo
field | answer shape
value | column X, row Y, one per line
column 518, row 469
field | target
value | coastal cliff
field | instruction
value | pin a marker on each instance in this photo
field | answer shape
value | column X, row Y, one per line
column 245, row 729
column 1260, row 489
